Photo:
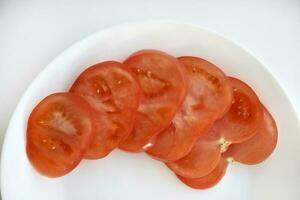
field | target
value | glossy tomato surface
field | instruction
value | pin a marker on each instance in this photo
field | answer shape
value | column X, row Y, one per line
column 208, row 180
column 259, row 147
column 163, row 88
column 239, row 123
column 208, row 97
column 114, row 95
column 60, row 129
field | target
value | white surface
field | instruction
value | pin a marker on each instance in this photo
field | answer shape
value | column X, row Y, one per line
column 33, row 32
column 136, row 176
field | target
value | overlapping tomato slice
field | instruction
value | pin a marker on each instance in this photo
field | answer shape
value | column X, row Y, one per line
column 260, row 146
column 113, row 93
column 239, row 124
column 163, row 88
column 253, row 151
column 185, row 112
column 209, row 96
column 60, row 129
column 208, row 180
column 202, row 159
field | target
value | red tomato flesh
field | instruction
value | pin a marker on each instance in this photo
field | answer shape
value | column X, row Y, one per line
column 260, row 146
column 114, row 95
column 238, row 124
column 163, row 88
column 208, row 180
column 245, row 116
column 60, row 129
column 209, row 97
column 201, row 160
column 253, row 151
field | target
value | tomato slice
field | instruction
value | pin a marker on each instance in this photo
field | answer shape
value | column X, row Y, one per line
column 245, row 116
column 163, row 87
column 114, row 94
column 238, row 124
column 208, row 180
column 209, row 96
column 60, row 128
column 201, row 160
column 253, row 151
column 260, row 146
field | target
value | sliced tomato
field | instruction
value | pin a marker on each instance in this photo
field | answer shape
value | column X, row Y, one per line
column 238, row 124
column 201, row 160
column 210, row 179
column 163, row 88
column 60, row 129
column 209, row 97
column 253, row 151
column 245, row 116
column 259, row 147
column 113, row 93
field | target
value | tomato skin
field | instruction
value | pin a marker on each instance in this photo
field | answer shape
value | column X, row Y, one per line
column 209, row 96
column 208, row 180
column 163, row 88
column 60, row 128
column 259, row 147
column 114, row 94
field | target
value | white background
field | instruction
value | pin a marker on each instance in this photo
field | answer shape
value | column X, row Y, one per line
column 32, row 33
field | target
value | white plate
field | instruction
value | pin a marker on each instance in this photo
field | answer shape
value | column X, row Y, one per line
column 136, row 176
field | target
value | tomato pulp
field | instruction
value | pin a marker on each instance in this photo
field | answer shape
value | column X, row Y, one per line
column 114, row 95
column 60, row 129
column 163, row 88
column 240, row 123
column 209, row 96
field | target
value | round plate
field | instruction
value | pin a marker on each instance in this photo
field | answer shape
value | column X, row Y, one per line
column 136, row 176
